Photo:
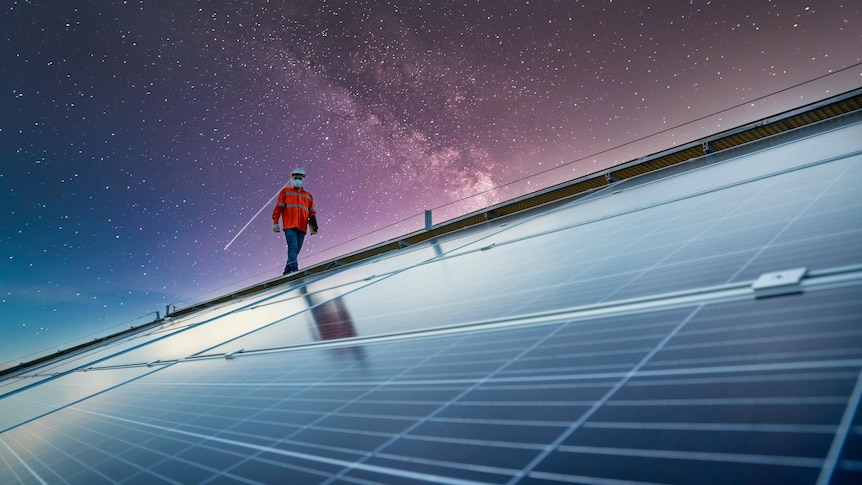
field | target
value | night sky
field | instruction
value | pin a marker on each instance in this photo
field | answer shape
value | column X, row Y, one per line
column 138, row 139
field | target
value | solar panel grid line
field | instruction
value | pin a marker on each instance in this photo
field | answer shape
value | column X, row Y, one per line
column 834, row 253
column 851, row 363
column 513, row 422
column 86, row 445
column 131, row 468
column 4, row 461
column 791, row 320
column 247, row 331
column 477, row 383
column 302, row 456
column 831, row 459
column 19, row 412
column 668, row 467
column 579, row 276
column 732, row 401
column 738, row 427
column 201, row 354
column 825, row 329
column 210, row 431
column 270, row 465
column 283, row 466
column 444, row 441
column 785, row 228
column 756, row 367
column 102, row 359
column 565, row 227
column 167, row 326
column 723, row 361
column 51, row 371
column 549, row 317
column 51, row 409
column 603, row 218
column 373, row 339
column 352, row 277
column 171, row 466
column 575, row 377
column 724, row 437
column 758, row 338
column 812, row 374
column 206, row 453
column 710, row 190
column 532, row 402
column 604, row 399
column 452, row 466
column 816, row 227
column 552, row 383
column 604, row 353
column 32, row 472
column 281, row 296
column 586, row 480
column 773, row 339
column 747, row 379
column 814, row 238
column 671, row 253
column 129, row 366
column 342, row 406
column 342, row 430
column 779, row 191
column 726, row 357
column 569, row 371
column 372, row 401
column 689, row 383
column 178, row 392
column 359, row 481
column 628, row 333
column 699, row 456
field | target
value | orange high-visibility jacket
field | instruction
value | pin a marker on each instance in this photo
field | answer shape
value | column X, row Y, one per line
column 295, row 207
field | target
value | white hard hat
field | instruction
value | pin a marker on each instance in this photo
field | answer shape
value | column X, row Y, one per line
column 298, row 171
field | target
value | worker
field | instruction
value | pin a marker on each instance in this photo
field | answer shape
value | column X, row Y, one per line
column 295, row 208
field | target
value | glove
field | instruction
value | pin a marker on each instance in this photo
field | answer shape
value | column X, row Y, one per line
column 275, row 228
column 312, row 224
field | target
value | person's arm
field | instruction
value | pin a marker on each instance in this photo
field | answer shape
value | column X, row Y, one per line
column 277, row 210
column 312, row 216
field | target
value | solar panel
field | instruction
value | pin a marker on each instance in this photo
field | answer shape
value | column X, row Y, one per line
column 750, row 388
column 612, row 339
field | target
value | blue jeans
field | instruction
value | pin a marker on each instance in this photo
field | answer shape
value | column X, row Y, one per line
column 294, row 244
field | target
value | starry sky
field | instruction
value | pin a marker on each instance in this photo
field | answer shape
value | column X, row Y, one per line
column 142, row 142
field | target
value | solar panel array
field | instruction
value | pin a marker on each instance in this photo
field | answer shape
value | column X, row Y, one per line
column 617, row 338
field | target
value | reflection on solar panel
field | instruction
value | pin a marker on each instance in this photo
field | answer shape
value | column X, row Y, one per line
column 701, row 324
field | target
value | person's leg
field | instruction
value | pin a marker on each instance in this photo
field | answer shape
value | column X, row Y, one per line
column 300, row 238
column 294, row 238
column 292, row 251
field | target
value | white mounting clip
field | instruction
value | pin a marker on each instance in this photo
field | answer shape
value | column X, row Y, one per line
column 785, row 282
column 230, row 355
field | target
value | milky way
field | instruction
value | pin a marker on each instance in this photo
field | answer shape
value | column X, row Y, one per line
column 139, row 138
